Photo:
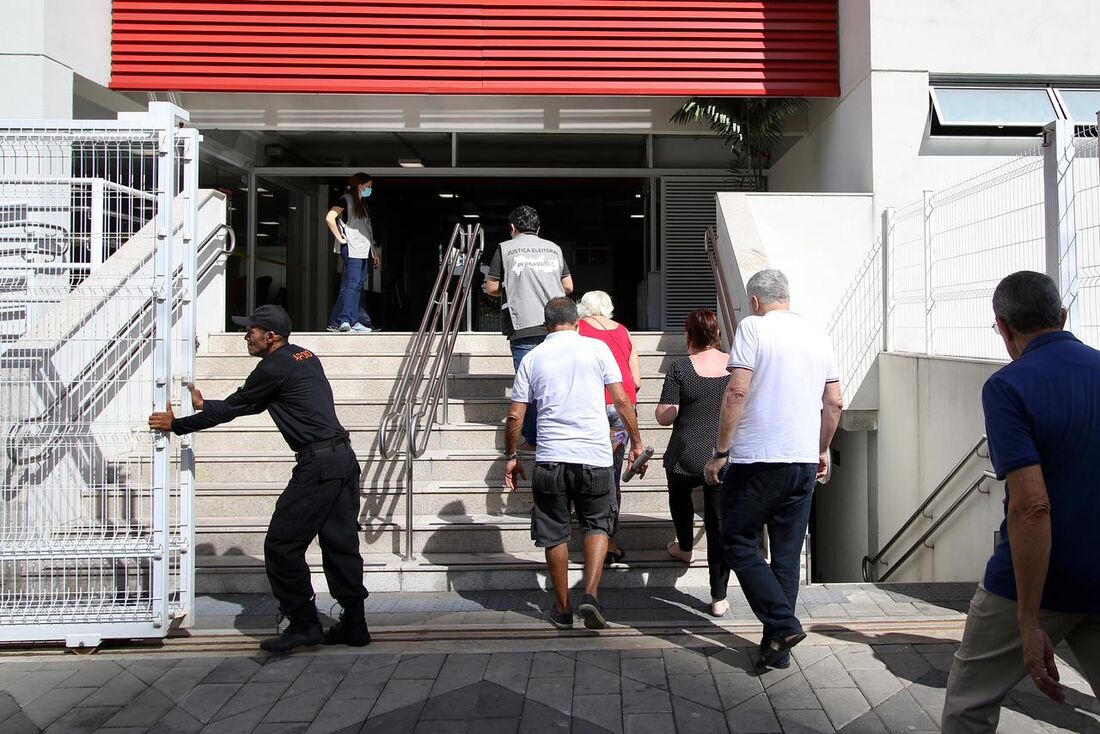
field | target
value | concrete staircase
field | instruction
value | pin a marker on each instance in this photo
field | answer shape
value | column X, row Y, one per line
column 468, row 531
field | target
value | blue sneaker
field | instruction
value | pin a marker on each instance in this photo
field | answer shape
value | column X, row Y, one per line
column 360, row 329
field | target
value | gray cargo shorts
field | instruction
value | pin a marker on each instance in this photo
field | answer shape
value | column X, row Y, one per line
column 556, row 486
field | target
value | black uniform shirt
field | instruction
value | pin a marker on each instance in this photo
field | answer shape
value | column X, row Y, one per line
column 290, row 384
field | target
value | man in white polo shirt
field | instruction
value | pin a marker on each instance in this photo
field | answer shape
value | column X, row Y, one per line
column 779, row 414
column 564, row 377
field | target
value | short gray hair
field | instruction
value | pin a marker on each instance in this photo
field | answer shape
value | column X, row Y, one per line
column 769, row 286
column 1028, row 301
column 596, row 303
column 560, row 311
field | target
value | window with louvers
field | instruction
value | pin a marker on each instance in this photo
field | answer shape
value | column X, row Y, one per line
column 687, row 209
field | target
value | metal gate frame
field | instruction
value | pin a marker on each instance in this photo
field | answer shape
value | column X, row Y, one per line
column 105, row 549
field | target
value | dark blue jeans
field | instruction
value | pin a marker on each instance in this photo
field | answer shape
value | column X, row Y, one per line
column 779, row 496
column 347, row 309
column 520, row 348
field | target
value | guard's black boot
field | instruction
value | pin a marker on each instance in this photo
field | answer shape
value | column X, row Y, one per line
column 304, row 630
column 351, row 629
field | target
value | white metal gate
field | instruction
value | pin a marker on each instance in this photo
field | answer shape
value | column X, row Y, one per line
column 97, row 329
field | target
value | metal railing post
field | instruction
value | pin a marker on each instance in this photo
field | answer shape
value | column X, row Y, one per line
column 1060, row 225
column 926, row 241
column 889, row 217
column 162, row 116
column 446, row 375
column 96, row 243
column 409, row 449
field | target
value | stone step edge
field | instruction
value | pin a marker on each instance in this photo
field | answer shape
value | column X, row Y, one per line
column 430, row 455
column 462, row 427
column 509, row 523
column 377, row 562
column 473, row 486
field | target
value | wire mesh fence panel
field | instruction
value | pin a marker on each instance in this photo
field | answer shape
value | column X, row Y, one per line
column 1086, row 203
column 907, row 280
column 91, row 499
column 856, row 326
column 980, row 231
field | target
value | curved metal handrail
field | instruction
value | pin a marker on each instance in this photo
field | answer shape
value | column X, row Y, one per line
column 231, row 238
column 870, row 563
column 725, row 299
column 414, row 404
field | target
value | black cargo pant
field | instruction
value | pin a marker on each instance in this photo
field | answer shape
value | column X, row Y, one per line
column 321, row 501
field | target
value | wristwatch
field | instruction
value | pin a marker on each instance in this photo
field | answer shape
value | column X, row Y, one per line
column 511, row 456
column 716, row 454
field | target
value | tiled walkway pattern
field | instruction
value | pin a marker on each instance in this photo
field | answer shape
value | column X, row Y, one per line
column 847, row 687
column 695, row 678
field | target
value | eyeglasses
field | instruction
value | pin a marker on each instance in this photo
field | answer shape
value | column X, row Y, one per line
column 997, row 329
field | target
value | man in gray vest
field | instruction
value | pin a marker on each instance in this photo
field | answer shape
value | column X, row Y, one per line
column 527, row 271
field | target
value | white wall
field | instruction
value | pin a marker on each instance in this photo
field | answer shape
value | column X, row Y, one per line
column 1005, row 37
column 818, row 240
column 929, row 414
column 46, row 42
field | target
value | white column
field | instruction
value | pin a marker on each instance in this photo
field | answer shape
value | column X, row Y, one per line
column 1058, row 210
column 889, row 216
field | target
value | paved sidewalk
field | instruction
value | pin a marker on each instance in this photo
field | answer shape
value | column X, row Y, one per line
column 875, row 673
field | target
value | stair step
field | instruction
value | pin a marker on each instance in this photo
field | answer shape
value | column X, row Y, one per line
column 391, row 364
column 458, row 572
column 364, row 438
column 397, row 341
column 435, row 534
column 387, row 501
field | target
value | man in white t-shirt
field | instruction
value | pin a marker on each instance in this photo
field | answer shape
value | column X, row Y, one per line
column 779, row 415
column 564, row 377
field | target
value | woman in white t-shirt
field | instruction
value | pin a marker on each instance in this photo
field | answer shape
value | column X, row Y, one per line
column 350, row 225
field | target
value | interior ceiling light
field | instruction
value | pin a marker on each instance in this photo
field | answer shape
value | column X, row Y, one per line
column 410, row 163
column 270, row 224
column 637, row 216
column 268, row 196
column 471, row 216
column 637, row 196
column 445, row 195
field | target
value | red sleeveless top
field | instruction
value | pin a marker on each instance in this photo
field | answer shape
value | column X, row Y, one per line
column 618, row 341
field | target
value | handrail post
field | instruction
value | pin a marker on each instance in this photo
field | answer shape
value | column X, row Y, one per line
column 446, row 375
column 408, row 482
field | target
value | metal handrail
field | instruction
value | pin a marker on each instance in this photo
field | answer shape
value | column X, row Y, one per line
column 725, row 300
column 869, row 563
column 412, row 410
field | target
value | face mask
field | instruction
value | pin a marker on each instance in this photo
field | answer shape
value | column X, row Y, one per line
column 365, row 192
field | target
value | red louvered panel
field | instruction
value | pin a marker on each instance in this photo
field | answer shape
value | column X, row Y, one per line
column 567, row 47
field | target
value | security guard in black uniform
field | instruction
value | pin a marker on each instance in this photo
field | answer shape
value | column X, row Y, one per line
column 322, row 498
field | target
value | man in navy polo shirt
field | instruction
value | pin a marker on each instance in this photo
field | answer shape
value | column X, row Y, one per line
column 1042, row 585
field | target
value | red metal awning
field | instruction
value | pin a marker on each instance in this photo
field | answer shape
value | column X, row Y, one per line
column 567, row 47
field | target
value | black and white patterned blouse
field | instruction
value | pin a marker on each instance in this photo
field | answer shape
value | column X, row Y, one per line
column 696, row 427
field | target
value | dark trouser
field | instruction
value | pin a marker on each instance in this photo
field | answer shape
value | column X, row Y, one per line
column 682, row 508
column 364, row 315
column 356, row 271
column 779, row 496
column 520, row 348
column 617, row 469
column 321, row 501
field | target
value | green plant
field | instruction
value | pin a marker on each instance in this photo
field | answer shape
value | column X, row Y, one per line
column 752, row 127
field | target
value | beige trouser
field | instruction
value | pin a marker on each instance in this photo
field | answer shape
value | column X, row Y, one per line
column 990, row 660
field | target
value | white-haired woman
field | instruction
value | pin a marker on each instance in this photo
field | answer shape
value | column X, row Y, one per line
column 595, row 309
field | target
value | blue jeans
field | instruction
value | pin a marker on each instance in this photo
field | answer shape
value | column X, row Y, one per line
column 356, row 271
column 364, row 317
column 779, row 496
column 520, row 348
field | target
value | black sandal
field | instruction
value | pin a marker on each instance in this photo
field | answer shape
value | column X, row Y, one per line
column 779, row 647
column 615, row 556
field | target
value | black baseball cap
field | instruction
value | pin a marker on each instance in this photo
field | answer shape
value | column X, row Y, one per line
column 268, row 317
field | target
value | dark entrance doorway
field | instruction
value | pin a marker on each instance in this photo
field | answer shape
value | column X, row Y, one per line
column 600, row 224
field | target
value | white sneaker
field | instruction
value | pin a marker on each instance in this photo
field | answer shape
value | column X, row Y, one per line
column 345, row 326
column 719, row 608
column 673, row 549
column 360, row 329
